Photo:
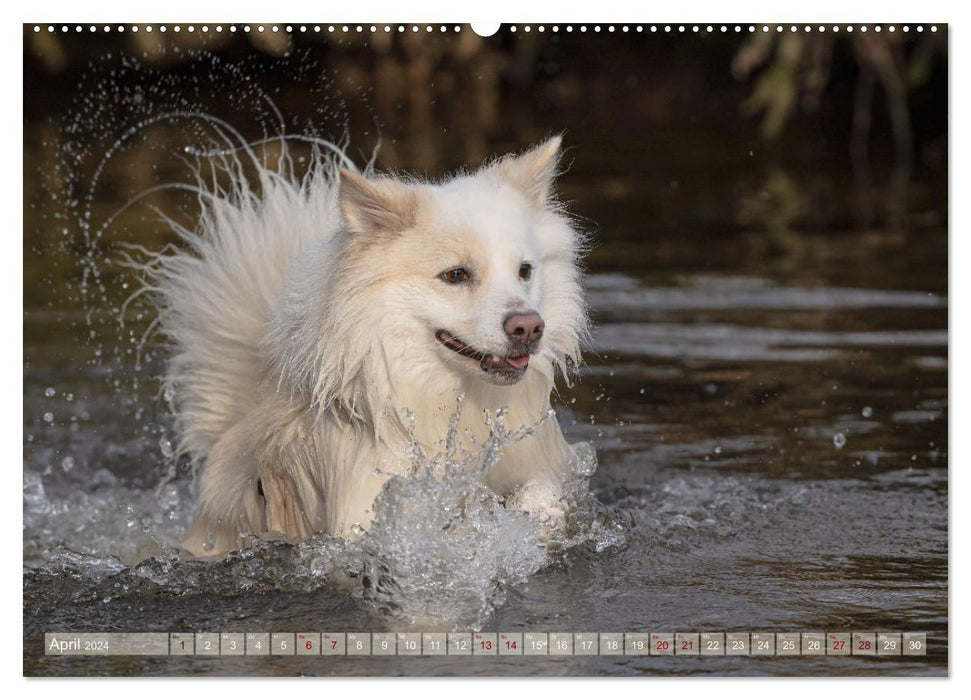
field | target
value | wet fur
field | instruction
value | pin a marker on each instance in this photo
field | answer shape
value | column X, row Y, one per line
column 301, row 319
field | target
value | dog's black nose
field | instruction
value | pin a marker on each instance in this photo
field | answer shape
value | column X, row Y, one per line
column 525, row 327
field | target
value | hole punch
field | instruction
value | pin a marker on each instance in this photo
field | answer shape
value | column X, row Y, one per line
column 485, row 29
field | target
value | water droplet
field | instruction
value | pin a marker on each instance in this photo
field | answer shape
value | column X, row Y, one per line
column 67, row 464
column 49, row 392
column 799, row 498
column 839, row 440
column 867, row 411
column 48, row 417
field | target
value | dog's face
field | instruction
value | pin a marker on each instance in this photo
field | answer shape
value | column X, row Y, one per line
column 478, row 274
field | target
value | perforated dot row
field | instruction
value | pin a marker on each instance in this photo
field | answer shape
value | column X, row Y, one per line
column 302, row 28
column 710, row 29
column 414, row 28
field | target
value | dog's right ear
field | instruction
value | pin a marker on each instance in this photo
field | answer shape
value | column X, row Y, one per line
column 382, row 206
column 533, row 172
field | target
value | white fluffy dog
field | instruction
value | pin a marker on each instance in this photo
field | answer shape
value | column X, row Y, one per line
column 307, row 318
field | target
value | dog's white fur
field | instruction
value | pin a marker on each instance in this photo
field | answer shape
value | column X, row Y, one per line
column 303, row 322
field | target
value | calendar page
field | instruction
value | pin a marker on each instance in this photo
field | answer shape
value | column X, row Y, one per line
column 513, row 349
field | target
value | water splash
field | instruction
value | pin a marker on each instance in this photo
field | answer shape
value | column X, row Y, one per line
column 589, row 522
column 442, row 546
column 131, row 111
column 442, row 549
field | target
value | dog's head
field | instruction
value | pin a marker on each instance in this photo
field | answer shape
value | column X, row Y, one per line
column 475, row 275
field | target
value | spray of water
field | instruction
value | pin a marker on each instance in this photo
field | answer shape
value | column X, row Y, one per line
column 442, row 549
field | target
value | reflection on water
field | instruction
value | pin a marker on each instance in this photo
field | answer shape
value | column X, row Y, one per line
column 768, row 402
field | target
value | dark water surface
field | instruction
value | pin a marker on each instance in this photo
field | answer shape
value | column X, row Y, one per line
column 767, row 398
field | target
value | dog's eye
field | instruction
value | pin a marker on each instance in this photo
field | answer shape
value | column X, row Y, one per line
column 457, row 275
column 525, row 271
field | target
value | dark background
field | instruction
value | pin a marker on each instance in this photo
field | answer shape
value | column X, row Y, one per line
column 741, row 142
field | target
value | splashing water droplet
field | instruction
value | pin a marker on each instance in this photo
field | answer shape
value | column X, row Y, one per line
column 867, row 412
column 443, row 547
column 839, row 440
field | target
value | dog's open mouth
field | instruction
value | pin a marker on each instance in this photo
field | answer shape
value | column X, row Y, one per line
column 511, row 365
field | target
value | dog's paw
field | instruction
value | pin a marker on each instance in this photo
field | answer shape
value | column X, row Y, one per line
column 541, row 501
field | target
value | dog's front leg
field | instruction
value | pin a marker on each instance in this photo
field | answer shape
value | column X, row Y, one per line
column 542, row 500
column 286, row 504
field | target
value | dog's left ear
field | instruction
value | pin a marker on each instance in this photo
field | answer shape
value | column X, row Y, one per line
column 378, row 207
column 533, row 172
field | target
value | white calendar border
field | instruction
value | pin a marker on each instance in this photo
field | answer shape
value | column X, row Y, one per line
column 11, row 418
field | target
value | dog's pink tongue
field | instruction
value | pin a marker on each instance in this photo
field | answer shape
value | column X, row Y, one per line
column 518, row 362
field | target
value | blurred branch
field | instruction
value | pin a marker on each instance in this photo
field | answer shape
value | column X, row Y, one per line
column 788, row 65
